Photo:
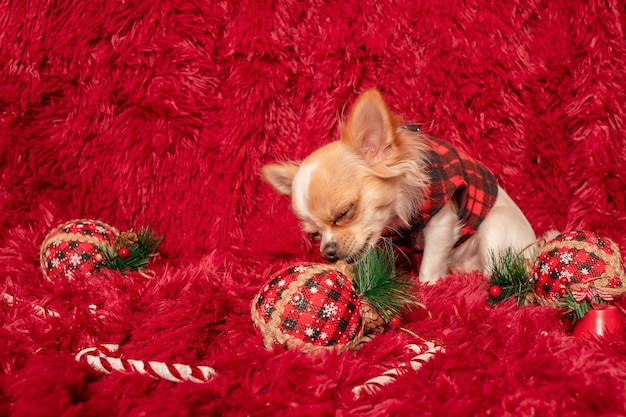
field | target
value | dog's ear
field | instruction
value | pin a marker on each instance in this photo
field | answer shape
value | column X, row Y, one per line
column 370, row 130
column 280, row 176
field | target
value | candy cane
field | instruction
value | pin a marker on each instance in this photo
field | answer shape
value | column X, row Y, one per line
column 47, row 312
column 39, row 310
column 106, row 358
column 425, row 351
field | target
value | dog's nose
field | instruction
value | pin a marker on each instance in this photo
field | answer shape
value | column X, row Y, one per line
column 329, row 252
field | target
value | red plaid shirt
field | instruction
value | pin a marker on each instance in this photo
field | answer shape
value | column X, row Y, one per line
column 455, row 176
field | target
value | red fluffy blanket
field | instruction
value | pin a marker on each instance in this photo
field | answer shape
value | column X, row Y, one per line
column 161, row 113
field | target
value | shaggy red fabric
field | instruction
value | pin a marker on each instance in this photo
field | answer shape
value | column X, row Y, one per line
column 161, row 113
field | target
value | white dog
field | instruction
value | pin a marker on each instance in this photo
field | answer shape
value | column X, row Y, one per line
column 382, row 177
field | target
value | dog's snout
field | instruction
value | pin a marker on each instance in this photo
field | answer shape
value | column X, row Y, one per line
column 329, row 252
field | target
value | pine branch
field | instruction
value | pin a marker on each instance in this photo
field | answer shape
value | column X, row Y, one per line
column 573, row 309
column 509, row 273
column 139, row 253
column 381, row 285
column 576, row 310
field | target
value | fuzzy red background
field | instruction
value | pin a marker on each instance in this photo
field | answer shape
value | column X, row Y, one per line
column 161, row 113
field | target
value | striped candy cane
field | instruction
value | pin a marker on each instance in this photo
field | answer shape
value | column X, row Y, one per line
column 424, row 352
column 106, row 358
column 39, row 310
column 47, row 312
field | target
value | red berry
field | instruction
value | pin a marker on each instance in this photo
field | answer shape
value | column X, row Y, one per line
column 123, row 253
column 395, row 321
column 495, row 291
column 564, row 280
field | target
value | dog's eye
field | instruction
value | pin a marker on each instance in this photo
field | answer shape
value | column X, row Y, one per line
column 345, row 214
column 315, row 236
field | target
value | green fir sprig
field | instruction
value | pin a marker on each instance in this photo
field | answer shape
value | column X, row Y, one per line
column 509, row 273
column 576, row 310
column 137, row 254
column 376, row 278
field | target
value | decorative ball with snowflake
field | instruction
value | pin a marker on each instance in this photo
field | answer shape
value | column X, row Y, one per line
column 310, row 305
column 73, row 248
column 580, row 259
column 83, row 247
column 316, row 306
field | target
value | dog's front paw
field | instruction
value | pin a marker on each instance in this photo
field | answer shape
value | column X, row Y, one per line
column 428, row 279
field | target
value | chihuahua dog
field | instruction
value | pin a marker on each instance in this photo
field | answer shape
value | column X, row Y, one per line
column 385, row 178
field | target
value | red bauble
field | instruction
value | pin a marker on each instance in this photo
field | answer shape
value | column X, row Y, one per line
column 123, row 253
column 308, row 305
column 577, row 257
column 73, row 248
column 495, row 291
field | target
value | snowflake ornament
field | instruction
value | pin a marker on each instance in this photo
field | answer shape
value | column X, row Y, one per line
column 82, row 247
column 316, row 306
column 577, row 257
column 308, row 309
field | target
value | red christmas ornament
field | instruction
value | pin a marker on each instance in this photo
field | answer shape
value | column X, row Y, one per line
column 577, row 257
column 82, row 247
column 308, row 305
column 316, row 306
column 74, row 248
column 495, row 291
